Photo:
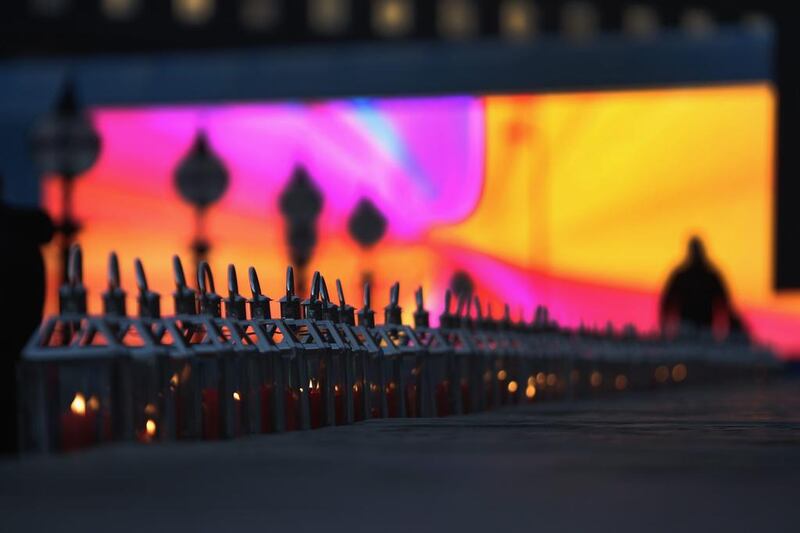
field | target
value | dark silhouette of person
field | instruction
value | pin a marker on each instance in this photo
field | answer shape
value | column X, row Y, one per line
column 695, row 297
column 24, row 231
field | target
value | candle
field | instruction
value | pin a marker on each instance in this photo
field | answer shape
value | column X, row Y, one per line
column 512, row 388
column 291, row 399
column 315, row 403
column 411, row 401
column 267, row 424
column 210, row 399
column 237, row 413
column 375, row 393
column 530, row 390
column 339, row 404
column 150, row 428
column 358, row 402
column 442, row 398
column 392, row 402
column 78, row 425
column 466, row 403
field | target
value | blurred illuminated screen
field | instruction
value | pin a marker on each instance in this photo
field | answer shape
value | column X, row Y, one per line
column 583, row 201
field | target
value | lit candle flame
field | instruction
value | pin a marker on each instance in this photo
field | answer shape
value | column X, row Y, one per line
column 236, row 396
column 512, row 387
column 150, row 427
column 679, row 372
column 94, row 403
column 530, row 391
column 78, row 405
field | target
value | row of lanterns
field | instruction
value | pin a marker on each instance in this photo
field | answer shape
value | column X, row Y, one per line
column 205, row 374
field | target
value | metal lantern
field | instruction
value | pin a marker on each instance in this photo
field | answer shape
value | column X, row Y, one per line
column 438, row 372
column 74, row 377
column 376, row 364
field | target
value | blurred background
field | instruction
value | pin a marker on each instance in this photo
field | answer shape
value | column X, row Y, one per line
column 529, row 152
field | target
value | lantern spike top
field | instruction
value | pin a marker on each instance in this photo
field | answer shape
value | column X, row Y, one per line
column 113, row 271
column 421, row 316
column 205, row 278
column 315, row 286
column 177, row 270
column 210, row 301
column 340, row 293
column 259, row 304
column 233, row 281
column 323, row 290
column 367, row 296
column 290, row 303
column 114, row 297
column 141, row 278
column 72, row 294
column 149, row 301
column 393, row 312
column 289, row 282
column 75, row 267
column 235, row 302
column 346, row 312
column 366, row 316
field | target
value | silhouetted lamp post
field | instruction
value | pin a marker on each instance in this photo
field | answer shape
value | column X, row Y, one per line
column 301, row 203
column 367, row 226
column 65, row 143
column 201, row 179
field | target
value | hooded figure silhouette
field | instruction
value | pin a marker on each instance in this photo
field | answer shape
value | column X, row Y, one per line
column 695, row 295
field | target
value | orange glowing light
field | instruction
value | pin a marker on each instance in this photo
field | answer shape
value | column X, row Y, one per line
column 512, row 387
column 78, row 405
column 541, row 379
column 502, row 375
column 150, row 427
column 236, row 396
column 94, row 403
column 530, row 391
column 679, row 372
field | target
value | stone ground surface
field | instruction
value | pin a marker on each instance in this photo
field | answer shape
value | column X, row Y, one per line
column 722, row 459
